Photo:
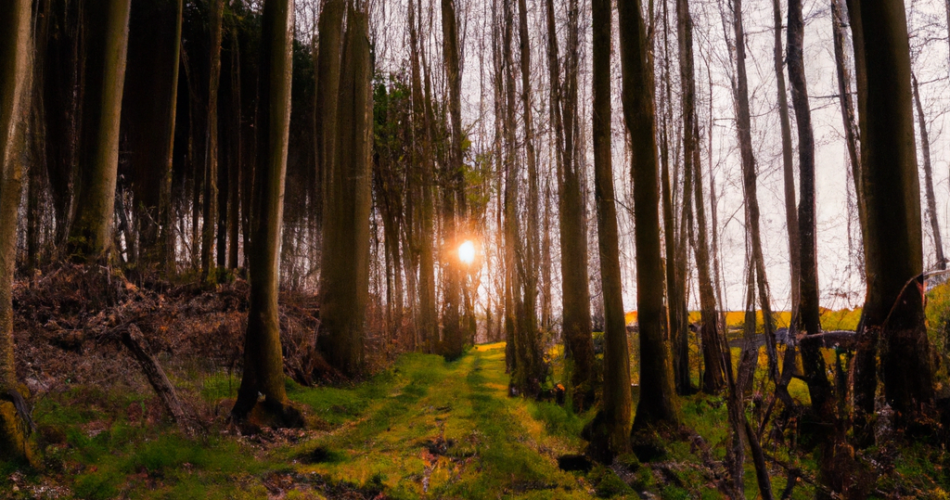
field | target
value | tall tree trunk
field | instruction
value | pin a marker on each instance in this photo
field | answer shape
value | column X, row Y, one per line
column 237, row 157
column 61, row 106
column 148, row 115
column 327, row 93
column 618, row 404
column 428, row 321
column 894, row 307
column 263, row 359
column 344, row 288
column 788, row 168
column 714, row 374
column 658, row 403
column 453, row 194
column 847, row 110
column 744, row 128
column 514, row 305
column 106, row 42
column 210, row 206
column 809, row 320
column 15, row 83
column 531, row 365
column 675, row 295
column 928, row 178
column 575, row 291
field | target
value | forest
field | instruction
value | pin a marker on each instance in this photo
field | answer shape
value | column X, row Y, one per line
column 399, row 249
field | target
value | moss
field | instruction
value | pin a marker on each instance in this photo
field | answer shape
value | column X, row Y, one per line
column 15, row 445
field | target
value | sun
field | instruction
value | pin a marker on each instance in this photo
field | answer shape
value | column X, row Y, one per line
column 467, row 252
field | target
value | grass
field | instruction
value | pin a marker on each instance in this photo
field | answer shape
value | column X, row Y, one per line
column 426, row 428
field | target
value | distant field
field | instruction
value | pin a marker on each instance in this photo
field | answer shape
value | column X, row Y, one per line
column 844, row 319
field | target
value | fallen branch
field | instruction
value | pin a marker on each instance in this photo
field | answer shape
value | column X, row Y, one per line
column 132, row 338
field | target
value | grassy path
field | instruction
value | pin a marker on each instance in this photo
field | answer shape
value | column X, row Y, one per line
column 449, row 430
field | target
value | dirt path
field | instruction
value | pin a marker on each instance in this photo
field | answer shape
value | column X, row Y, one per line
column 449, row 430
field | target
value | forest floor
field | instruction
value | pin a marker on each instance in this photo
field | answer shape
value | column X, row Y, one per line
column 425, row 428
column 420, row 427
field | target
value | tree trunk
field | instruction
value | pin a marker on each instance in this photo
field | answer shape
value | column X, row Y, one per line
column 928, row 178
column 148, row 115
column 575, row 290
column 847, row 110
column 531, row 366
column 453, row 194
column 618, row 405
column 327, row 92
column 894, row 309
column 428, row 321
column 744, row 128
column 237, row 158
column 106, row 42
column 809, row 317
column 714, row 374
column 658, row 404
column 210, row 206
column 675, row 295
column 344, row 288
column 15, row 91
column 263, row 359
column 788, row 168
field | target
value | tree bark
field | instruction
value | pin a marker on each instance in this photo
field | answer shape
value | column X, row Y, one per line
column 658, row 404
column 328, row 84
column 344, row 289
column 744, row 128
column 928, row 178
column 106, row 42
column 894, row 308
column 453, row 193
column 210, row 206
column 149, row 108
column 428, row 321
column 618, row 405
column 714, row 373
column 15, row 89
column 531, row 372
column 847, row 111
column 788, row 168
column 575, row 291
column 263, row 358
column 809, row 319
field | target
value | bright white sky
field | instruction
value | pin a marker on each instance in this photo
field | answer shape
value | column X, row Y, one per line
column 839, row 275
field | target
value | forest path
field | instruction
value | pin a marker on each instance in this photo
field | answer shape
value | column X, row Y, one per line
column 449, row 430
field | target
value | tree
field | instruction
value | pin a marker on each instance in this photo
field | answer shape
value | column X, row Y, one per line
column 344, row 287
column 809, row 317
column 149, row 109
column 618, row 406
column 106, row 34
column 531, row 363
column 15, row 50
column 428, row 321
column 744, row 129
column 788, row 168
column 658, row 404
column 928, row 178
column 327, row 92
column 893, row 309
column 454, row 190
column 210, row 206
column 263, row 358
column 714, row 373
column 575, row 291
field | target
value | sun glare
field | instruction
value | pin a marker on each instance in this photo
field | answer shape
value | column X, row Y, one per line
column 467, row 252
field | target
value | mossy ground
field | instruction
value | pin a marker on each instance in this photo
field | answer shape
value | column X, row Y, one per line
column 426, row 428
